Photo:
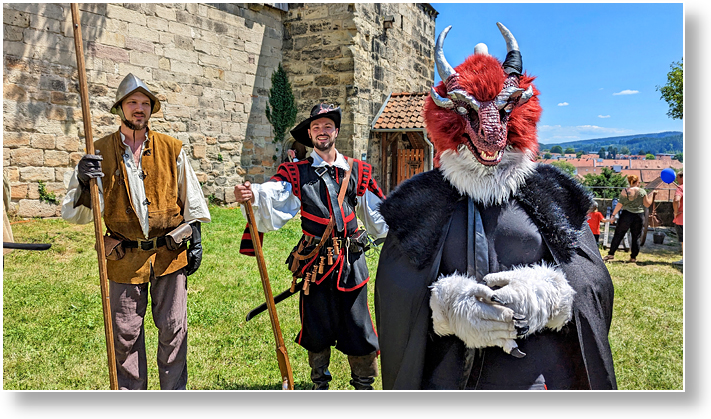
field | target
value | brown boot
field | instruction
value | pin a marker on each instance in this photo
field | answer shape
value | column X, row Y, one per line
column 318, row 361
column 364, row 369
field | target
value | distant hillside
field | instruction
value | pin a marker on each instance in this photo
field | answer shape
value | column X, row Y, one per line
column 671, row 142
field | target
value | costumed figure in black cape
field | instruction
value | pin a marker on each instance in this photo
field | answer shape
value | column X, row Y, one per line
column 490, row 277
column 329, row 190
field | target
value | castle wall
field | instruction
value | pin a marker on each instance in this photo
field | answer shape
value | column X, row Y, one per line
column 210, row 65
column 341, row 54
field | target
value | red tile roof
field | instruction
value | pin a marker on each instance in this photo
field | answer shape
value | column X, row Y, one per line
column 581, row 162
column 402, row 111
column 650, row 164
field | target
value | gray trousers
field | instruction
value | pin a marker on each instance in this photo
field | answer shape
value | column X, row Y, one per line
column 169, row 308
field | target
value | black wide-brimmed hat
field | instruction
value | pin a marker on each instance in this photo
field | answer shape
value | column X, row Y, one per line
column 322, row 110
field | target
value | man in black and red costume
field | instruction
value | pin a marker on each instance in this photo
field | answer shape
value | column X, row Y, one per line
column 330, row 190
column 490, row 277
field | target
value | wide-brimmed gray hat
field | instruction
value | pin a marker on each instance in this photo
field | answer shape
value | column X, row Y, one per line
column 129, row 85
column 301, row 133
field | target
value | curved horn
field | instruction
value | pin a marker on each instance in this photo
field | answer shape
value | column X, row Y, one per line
column 440, row 101
column 511, row 44
column 513, row 63
column 443, row 68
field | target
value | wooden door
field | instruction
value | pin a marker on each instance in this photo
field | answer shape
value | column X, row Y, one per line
column 409, row 163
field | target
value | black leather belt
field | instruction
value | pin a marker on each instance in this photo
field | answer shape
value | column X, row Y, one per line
column 149, row 244
column 352, row 245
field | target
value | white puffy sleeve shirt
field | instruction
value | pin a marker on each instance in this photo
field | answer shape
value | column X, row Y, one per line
column 275, row 204
column 189, row 192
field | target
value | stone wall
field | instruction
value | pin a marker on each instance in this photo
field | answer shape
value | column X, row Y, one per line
column 210, row 65
column 400, row 59
column 340, row 53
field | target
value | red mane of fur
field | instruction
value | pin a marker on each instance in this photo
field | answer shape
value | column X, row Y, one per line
column 482, row 76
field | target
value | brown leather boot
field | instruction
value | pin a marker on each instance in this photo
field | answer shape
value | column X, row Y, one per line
column 364, row 369
column 318, row 361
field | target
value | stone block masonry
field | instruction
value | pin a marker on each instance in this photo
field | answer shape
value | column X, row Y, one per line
column 210, row 65
column 341, row 53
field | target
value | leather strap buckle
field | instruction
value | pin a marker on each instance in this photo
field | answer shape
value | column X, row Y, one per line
column 149, row 244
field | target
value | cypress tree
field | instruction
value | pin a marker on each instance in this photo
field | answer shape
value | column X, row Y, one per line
column 281, row 106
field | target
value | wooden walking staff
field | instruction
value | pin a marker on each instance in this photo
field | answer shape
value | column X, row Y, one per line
column 95, row 203
column 287, row 376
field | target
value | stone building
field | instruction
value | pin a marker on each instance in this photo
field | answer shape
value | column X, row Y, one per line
column 211, row 66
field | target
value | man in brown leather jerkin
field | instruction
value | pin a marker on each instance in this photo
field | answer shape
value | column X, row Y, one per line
column 151, row 201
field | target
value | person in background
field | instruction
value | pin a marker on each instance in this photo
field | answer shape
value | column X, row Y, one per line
column 678, row 205
column 631, row 206
column 594, row 219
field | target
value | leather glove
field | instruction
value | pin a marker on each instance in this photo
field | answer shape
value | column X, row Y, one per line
column 194, row 250
column 89, row 168
column 471, row 311
column 539, row 292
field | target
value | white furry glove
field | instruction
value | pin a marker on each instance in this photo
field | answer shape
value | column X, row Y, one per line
column 539, row 292
column 464, row 308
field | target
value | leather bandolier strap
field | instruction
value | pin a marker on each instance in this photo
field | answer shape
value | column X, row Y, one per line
column 332, row 222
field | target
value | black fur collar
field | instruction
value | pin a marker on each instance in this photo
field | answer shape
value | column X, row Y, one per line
column 417, row 210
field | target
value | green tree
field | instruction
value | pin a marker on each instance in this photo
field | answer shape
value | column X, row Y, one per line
column 564, row 166
column 547, row 156
column 605, row 185
column 673, row 91
column 557, row 149
column 281, row 107
column 602, row 153
column 579, row 153
column 612, row 151
column 569, row 150
column 649, row 156
column 679, row 156
column 641, row 153
column 624, row 150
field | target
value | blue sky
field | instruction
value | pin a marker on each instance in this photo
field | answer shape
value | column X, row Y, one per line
column 597, row 64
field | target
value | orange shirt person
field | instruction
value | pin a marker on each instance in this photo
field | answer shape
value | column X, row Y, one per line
column 594, row 219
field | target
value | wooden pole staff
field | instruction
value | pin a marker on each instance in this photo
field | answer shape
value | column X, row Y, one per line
column 287, row 377
column 95, row 203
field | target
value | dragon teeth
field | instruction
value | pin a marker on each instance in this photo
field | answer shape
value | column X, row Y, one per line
column 486, row 156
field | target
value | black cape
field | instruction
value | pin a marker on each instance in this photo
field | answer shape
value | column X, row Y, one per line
column 419, row 214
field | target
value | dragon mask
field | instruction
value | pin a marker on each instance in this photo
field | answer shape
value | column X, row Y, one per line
column 483, row 105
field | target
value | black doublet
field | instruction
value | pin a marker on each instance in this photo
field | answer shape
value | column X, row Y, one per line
column 336, row 309
column 544, row 221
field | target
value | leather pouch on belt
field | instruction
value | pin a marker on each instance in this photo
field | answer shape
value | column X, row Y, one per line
column 113, row 249
column 179, row 236
column 297, row 265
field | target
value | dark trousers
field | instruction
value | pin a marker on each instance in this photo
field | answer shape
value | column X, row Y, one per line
column 632, row 222
column 169, row 307
column 330, row 317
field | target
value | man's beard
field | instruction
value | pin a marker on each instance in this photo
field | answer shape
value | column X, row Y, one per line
column 325, row 147
column 135, row 127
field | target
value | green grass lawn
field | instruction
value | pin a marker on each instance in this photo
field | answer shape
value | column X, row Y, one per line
column 53, row 335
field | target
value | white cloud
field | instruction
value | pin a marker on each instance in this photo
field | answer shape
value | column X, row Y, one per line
column 603, row 116
column 626, row 92
column 561, row 134
column 563, row 104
